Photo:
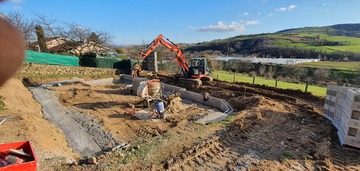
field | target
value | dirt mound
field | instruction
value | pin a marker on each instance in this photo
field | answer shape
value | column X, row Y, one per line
column 290, row 92
column 241, row 103
column 28, row 124
column 275, row 129
column 267, row 131
column 175, row 106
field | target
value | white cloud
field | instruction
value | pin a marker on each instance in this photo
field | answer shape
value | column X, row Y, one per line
column 17, row 1
column 222, row 27
column 245, row 13
column 283, row 9
column 291, row 7
column 324, row 4
column 251, row 22
column 271, row 14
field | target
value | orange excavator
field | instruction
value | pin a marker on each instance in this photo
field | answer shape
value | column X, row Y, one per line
column 193, row 74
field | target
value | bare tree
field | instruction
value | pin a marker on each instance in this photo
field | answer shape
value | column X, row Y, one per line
column 23, row 24
column 79, row 38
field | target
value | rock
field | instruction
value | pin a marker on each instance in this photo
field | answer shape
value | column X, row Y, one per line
column 92, row 160
column 206, row 96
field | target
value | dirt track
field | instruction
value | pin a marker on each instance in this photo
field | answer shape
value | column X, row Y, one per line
column 271, row 129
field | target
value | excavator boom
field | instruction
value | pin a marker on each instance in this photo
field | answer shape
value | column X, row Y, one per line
column 193, row 74
column 180, row 57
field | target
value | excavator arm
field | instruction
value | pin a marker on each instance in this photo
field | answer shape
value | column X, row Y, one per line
column 180, row 57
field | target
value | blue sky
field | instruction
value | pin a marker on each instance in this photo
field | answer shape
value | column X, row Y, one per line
column 189, row 21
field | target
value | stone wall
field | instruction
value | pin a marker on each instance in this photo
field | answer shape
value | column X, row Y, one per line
column 56, row 69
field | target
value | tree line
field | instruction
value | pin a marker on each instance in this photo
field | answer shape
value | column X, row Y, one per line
column 290, row 73
column 262, row 47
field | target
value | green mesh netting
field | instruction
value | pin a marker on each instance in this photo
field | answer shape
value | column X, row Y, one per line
column 125, row 66
column 93, row 60
column 51, row 59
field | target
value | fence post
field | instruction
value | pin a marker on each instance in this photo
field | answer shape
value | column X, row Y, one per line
column 307, row 86
column 253, row 79
column 217, row 76
column 234, row 78
column 276, row 82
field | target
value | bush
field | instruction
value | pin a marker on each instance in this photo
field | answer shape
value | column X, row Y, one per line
column 321, row 74
column 268, row 75
column 252, row 74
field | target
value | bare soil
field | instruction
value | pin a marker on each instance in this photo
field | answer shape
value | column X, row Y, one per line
column 27, row 123
column 271, row 129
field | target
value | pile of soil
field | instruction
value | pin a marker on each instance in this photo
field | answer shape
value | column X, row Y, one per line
column 27, row 123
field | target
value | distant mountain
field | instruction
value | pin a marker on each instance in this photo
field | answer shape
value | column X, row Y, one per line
column 336, row 42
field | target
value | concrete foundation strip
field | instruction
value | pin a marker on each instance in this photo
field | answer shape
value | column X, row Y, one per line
column 99, row 82
column 76, row 134
column 65, row 82
column 214, row 102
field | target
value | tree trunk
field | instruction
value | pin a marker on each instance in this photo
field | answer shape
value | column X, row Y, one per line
column 41, row 38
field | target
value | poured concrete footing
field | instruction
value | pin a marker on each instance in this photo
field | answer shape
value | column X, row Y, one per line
column 214, row 102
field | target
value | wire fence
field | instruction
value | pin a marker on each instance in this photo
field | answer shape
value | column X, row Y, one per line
column 305, row 87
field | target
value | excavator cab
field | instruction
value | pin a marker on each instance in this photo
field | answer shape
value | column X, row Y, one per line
column 199, row 67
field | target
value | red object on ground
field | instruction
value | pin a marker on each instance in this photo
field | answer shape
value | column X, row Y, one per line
column 29, row 165
column 130, row 112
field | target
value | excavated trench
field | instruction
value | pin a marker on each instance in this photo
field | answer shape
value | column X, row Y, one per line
column 84, row 135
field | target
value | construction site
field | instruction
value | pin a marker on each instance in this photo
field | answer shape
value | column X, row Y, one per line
column 158, row 121
column 87, row 124
column 248, row 86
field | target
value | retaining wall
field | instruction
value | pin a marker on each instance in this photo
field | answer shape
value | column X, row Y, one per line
column 56, row 69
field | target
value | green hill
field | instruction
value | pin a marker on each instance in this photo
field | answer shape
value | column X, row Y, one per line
column 337, row 42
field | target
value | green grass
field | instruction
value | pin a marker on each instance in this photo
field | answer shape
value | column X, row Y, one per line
column 228, row 76
column 288, row 44
column 353, row 46
column 2, row 106
column 346, row 66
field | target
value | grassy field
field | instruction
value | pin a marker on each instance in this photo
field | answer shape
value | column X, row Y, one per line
column 353, row 43
column 346, row 66
column 228, row 76
column 288, row 44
